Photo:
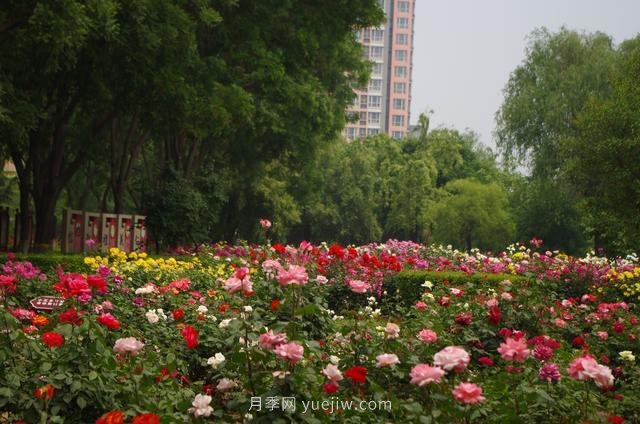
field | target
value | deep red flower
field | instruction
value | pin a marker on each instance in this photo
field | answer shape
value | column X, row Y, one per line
column 505, row 333
column 148, row 418
column 98, row 283
column 494, row 315
column 53, row 339
column 7, row 283
column 330, row 388
column 275, row 304
column 486, row 361
column 278, row 248
column 190, row 336
column 463, row 318
column 356, row 374
column 178, row 314
column 615, row 419
column 578, row 341
column 618, row 327
column 70, row 316
column 45, row 392
column 542, row 352
column 109, row 321
column 444, row 301
column 223, row 308
column 111, row 417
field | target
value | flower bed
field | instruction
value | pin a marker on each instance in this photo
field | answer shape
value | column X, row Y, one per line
column 396, row 332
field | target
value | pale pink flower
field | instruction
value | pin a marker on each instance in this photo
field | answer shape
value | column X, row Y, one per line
column 392, row 330
column 321, row 279
column 514, row 350
column 291, row 352
column 201, row 406
column 294, row 275
column 560, row 323
column 452, row 358
column 603, row 335
column 468, row 393
column 265, row 223
column 271, row 266
column 332, row 373
column 581, row 367
column 269, row 340
column 492, row 302
column 423, row 374
column 387, row 360
column 128, row 345
column 602, row 376
column 428, row 336
column 506, row 296
column 225, row 384
column 358, row 286
column 235, row 284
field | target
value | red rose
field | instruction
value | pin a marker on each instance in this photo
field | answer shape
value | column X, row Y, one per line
column 279, row 248
column 98, row 283
column 486, row 361
column 45, row 392
column 615, row 419
column 275, row 304
column 111, row 417
column 148, row 418
column 494, row 315
column 330, row 388
column 7, row 283
column 356, row 374
column 463, row 318
column 223, row 308
column 178, row 314
column 618, row 327
column 505, row 333
column 70, row 316
column 578, row 341
column 190, row 336
column 444, row 301
column 109, row 321
column 53, row 339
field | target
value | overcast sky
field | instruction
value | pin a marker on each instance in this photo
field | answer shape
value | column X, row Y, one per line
column 464, row 50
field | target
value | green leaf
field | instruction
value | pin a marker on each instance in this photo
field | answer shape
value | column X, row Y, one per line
column 82, row 403
column 93, row 375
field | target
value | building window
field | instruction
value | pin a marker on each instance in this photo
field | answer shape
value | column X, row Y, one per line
column 397, row 120
column 399, row 87
column 381, row 2
column 376, row 69
column 375, row 85
column 376, row 52
column 366, row 35
column 402, row 23
column 362, row 132
column 401, row 55
column 377, row 35
column 397, row 134
column 400, row 71
column 374, row 118
column 403, row 6
column 363, row 101
column 365, row 52
column 402, row 39
column 375, row 101
column 398, row 104
column 373, row 131
column 351, row 133
column 363, row 118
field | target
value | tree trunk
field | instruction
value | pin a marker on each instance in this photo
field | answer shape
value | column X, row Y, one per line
column 24, row 218
column 45, row 205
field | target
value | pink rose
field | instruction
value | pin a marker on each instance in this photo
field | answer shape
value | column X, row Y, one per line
column 291, row 352
column 514, row 350
column 321, row 279
column 269, row 340
column 358, row 286
column 468, row 393
column 580, row 368
column 506, row 296
column 492, row 302
column 265, row 223
column 392, row 330
column 603, row 335
column 225, row 384
column 332, row 373
column 295, row 275
column 428, row 336
column 387, row 360
column 128, row 345
column 452, row 358
column 423, row 374
column 421, row 306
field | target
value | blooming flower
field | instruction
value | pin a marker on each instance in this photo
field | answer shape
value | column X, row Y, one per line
column 549, row 372
column 387, row 360
column 358, row 286
column 111, row 417
column 190, row 336
column 294, row 275
column 109, row 321
column 148, row 418
column 332, row 373
column 216, row 360
column 392, row 330
column 225, row 384
column 627, row 355
column 201, row 406
column 423, row 374
column 265, row 223
column 428, row 336
column 356, row 374
column 469, row 393
column 291, row 352
column 514, row 350
column 128, row 345
column 269, row 340
column 53, row 339
column 452, row 358
column 45, row 392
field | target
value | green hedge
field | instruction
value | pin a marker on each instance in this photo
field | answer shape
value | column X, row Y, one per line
column 406, row 286
column 48, row 262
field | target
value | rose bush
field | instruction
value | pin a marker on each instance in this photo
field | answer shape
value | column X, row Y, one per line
column 211, row 336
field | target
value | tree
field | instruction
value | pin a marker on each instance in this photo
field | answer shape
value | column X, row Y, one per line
column 471, row 214
column 603, row 157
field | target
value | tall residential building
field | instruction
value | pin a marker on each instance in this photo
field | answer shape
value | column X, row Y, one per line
column 384, row 106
